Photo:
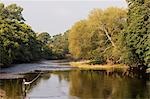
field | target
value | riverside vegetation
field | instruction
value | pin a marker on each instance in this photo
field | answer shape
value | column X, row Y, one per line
column 19, row 43
column 114, row 35
column 107, row 36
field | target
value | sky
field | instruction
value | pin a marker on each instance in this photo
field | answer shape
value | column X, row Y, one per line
column 57, row 16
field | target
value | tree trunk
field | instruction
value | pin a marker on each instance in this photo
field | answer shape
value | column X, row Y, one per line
column 107, row 34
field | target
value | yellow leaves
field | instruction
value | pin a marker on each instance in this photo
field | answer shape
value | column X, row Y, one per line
column 75, row 37
column 89, row 34
column 95, row 16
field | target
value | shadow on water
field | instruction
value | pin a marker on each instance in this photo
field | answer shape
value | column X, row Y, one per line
column 76, row 84
column 11, row 89
column 90, row 85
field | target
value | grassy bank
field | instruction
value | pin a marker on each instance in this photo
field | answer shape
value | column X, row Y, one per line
column 106, row 67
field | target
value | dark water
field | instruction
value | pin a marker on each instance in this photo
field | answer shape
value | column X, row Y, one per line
column 76, row 84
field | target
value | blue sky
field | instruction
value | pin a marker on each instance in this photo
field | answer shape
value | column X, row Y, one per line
column 56, row 16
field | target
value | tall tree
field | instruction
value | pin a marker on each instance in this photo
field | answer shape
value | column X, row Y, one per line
column 94, row 37
column 138, row 31
column 18, row 41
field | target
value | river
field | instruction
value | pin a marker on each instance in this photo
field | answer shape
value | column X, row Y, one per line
column 64, row 82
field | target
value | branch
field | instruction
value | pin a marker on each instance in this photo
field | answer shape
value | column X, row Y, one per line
column 106, row 49
column 107, row 34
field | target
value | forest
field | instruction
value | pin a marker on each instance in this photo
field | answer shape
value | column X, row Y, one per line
column 113, row 35
column 19, row 43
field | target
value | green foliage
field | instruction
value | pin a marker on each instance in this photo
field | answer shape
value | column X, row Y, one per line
column 55, row 47
column 114, row 36
column 12, row 12
column 18, row 41
column 106, row 36
column 47, row 52
column 44, row 37
column 137, row 32
column 59, row 44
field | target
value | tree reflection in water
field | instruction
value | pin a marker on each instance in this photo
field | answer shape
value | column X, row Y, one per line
column 14, row 88
column 79, row 84
column 90, row 85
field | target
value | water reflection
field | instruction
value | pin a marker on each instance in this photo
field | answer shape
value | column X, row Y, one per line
column 77, row 84
column 15, row 89
column 11, row 89
column 90, row 85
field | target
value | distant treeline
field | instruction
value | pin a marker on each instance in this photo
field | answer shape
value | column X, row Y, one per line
column 19, row 43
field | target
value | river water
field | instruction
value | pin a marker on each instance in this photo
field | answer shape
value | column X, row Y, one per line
column 70, row 83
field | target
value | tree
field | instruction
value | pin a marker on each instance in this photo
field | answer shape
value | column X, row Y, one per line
column 60, row 45
column 18, row 41
column 138, row 32
column 11, row 12
column 44, row 37
column 45, row 40
column 96, row 36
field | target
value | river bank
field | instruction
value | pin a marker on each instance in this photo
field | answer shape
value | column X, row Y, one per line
column 18, row 70
column 108, row 67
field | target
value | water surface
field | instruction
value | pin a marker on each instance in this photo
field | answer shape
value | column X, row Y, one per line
column 75, row 84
